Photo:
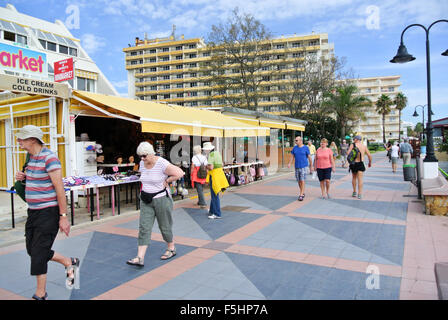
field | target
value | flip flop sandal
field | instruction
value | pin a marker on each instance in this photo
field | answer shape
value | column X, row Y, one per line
column 139, row 262
column 40, row 298
column 72, row 272
column 301, row 198
column 171, row 253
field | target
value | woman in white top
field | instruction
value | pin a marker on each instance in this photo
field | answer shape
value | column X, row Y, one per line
column 196, row 182
column 395, row 155
column 155, row 201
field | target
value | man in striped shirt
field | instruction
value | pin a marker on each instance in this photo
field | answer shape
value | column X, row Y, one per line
column 47, row 207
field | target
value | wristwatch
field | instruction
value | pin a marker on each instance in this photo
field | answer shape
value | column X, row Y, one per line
column 63, row 215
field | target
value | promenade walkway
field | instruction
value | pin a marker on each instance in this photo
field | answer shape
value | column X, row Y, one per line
column 268, row 245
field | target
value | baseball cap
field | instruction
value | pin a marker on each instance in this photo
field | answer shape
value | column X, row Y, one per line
column 358, row 137
column 30, row 131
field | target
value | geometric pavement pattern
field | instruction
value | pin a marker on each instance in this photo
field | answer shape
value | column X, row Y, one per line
column 273, row 247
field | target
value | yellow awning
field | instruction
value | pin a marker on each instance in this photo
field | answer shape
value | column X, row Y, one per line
column 172, row 119
column 295, row 126
column 272, row 124
column 24, row 106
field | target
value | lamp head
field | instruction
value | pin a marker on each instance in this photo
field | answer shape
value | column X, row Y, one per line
column 445, row 53
column 415, row 114
column 402, row 55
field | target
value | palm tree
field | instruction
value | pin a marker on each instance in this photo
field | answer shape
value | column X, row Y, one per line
column 346, row 105
column 400, row 103
column 383, row 107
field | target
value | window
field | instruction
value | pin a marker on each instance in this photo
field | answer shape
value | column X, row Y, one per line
column 73, row 52
column 193, row 75
column 152, row 60
column 191, row 46
column 193, row 65
column 166, row 59
column 180, row 85
column 167, row 86
column 280, row 46
column 297, row 54
column 194, row 94
column 154, row 97
column 206, row 54
column 9, row 36
column 166, row 96
column 193, row 84
column 153, row 78
column 166, row 77
column 192, row 55
column 207, row 93
column 179, row 48
column 265, row 68
column 153, row 87
column 178, row 57
column 86, row 84
column 179, row 66
column 166, row 68
column 133, row 53
column 43, row 43
column 180, row 95
column 152, row 51
column 63, row 49
column 391, row 89
column 206, row 83
column 21, row 39
column 296, row 45
column 194, row 104
column 51, row 46
column 165, row 49
column 153, row 69
column 179, row 76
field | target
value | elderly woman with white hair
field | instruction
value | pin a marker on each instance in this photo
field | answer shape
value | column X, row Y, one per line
column 155, row 201
column 199, row 174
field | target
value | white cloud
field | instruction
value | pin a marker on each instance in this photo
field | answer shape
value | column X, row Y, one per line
column 92, row 43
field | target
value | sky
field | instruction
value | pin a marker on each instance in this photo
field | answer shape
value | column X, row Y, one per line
column 366, row 33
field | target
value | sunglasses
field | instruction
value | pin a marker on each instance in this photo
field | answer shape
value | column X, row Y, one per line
column 143, row 156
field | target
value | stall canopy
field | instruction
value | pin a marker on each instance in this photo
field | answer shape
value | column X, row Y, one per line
column 264, row 119
column 164, row 118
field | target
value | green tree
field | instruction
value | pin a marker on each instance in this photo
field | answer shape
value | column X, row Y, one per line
column 400, row 103
column 383, row 108
column 346, row 105
column 238, row 48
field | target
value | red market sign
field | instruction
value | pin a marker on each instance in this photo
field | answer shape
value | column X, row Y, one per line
column 63, row 70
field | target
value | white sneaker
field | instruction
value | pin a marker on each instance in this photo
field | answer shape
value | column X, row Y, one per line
column 212, row 216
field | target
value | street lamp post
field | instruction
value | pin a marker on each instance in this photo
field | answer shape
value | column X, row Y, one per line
column 423, row 118
column 402, row 57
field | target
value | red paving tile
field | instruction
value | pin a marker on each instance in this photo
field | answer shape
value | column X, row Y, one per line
column 8, row 295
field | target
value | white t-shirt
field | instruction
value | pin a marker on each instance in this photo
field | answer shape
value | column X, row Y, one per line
column 394, row 153
column 153, row 179
column 199, row 159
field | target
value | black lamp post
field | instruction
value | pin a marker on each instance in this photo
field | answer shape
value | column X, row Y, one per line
column 423, row 117
column 402, row 57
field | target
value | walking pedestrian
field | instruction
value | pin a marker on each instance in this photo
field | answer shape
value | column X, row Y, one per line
column 406, row 151
column 334, row 148
column 155, row 201
column 388, row 147
column 395, row 155
column 324, row 164
column 197, row 161
column 344, row 148
column 357, row 167
column 47, row 209
column 312, row 149
column 216, row 179
column 302, row 158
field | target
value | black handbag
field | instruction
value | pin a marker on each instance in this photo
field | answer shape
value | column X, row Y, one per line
column 19, row 186
column 147, row 197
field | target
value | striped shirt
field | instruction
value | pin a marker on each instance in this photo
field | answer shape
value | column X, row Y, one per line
column 39, row 191
column 153, row 179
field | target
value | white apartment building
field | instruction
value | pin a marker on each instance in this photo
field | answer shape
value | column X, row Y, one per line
column 372, row 88
column 53, row 41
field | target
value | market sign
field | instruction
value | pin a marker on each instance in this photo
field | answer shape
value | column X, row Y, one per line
column 33, row 86
column 63, row 70
column 21, row 60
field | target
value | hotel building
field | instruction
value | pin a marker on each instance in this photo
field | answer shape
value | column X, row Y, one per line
column 169, row 69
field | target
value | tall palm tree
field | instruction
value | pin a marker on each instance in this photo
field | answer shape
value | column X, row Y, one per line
column 383, row 107
column 346, row 105
column 400, row 103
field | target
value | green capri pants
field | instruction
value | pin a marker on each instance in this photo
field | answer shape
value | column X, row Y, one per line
column 161, row 209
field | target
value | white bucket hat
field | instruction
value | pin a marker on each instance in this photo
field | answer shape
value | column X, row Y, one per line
column 30, row 131
column 208, row 146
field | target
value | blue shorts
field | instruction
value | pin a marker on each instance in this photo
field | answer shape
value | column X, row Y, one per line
column 301, row 174
column 324, row 174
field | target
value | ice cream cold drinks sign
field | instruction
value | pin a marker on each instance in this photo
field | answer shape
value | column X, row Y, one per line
column 22, row 60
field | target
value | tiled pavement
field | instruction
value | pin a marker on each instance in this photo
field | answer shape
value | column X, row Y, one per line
column 267, row 246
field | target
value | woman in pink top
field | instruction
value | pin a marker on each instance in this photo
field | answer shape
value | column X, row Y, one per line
column 324, row 164
column 155, row 201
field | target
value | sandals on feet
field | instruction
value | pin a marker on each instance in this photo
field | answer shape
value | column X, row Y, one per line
column 301, row 198
column 72, row 273
column 354, row 194
column 40, row 298
column 137, row 261
column 168, row 254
